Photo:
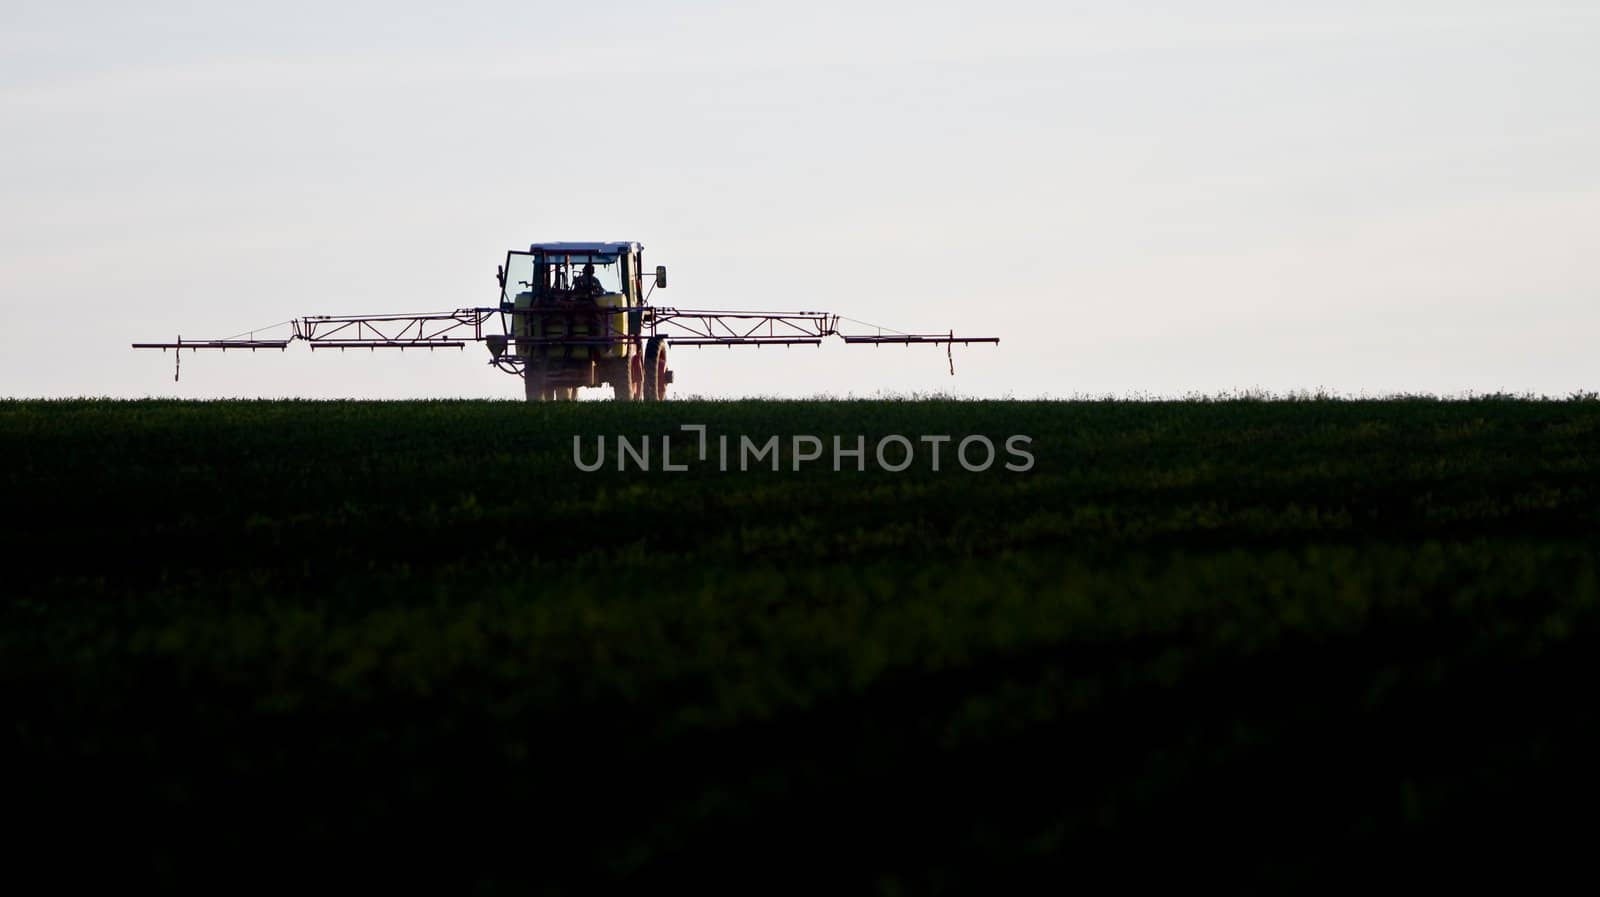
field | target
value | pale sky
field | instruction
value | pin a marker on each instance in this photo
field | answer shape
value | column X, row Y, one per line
column 1137, row 198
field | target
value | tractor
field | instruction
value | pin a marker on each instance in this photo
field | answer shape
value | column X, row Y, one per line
column 577, row 319
column 572, row 316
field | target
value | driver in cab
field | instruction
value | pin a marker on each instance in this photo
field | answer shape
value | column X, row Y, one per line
column 586, row 285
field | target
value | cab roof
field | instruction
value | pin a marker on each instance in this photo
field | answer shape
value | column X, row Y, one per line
column 578, row 248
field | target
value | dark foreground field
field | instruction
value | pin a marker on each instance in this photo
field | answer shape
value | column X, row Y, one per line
column 411, row 642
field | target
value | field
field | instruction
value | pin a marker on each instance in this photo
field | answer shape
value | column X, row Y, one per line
column 413, row 642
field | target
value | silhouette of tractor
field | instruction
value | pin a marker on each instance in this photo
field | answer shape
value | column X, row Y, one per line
column 572, row 316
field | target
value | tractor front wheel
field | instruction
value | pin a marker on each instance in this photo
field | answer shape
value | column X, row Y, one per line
column 656, row 376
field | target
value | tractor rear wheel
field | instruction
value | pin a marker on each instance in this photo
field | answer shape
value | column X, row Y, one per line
column 533, row 385
column 655, row 369
column 633, row 369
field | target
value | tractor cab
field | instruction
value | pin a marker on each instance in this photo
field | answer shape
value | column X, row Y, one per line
column 608, row 274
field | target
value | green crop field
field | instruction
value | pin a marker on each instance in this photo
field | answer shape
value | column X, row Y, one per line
column 407, row 642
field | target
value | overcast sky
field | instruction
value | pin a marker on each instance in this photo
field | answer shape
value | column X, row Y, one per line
column 1138, row 198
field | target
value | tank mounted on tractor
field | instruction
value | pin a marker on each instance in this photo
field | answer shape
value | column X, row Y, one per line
column 573, row 316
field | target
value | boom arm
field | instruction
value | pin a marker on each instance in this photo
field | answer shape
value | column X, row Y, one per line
column 447, row 330
column 429, row 330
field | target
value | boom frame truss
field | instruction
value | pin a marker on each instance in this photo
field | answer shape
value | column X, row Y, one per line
column 455, row 329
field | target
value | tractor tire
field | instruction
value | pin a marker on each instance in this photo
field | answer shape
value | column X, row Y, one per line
column 629, row 390
column 533, row 385
column 656, row 376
